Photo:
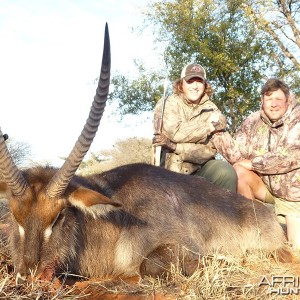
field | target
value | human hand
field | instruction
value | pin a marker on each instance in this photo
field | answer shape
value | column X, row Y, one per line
column 160, row 139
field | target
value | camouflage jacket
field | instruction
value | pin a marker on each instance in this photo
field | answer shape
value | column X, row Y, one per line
column 273, row 148
column 187, row 125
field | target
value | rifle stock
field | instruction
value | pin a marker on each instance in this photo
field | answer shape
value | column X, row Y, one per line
column 156, row 155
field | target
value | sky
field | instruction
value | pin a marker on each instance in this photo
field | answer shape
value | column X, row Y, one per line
column 50, row 56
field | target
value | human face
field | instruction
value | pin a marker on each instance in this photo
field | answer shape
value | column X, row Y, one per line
column 275, row 105
column 193, row 89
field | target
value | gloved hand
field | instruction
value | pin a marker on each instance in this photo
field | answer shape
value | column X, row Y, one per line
column 5, row 136
column 160, row 139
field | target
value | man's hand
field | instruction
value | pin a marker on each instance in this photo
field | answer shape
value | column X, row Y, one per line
column 246, row 163
column 160, row 139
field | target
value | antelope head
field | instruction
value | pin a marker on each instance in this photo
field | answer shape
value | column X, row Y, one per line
column 37, row 198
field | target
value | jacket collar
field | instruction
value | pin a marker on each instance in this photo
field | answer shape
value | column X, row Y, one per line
column 203, row 100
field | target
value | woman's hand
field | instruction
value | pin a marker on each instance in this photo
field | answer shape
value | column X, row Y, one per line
column 160, row 139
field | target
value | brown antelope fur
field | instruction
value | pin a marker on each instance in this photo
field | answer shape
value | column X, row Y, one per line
column 113, row 224
column 140, row 209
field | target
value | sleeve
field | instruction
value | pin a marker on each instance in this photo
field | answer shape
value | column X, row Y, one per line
column 189, row 130
column 196, row 153
column 227, row 146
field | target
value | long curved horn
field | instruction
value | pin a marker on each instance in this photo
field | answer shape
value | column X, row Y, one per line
column 58, row 184
column 12, row 175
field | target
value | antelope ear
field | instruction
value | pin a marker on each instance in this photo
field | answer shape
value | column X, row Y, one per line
column 3, row 189
column 83, row 197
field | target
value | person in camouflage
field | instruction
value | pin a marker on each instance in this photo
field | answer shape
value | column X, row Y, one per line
column 265, row 152
column 189, row 121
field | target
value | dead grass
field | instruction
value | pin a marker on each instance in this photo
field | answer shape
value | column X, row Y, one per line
column 220, row 277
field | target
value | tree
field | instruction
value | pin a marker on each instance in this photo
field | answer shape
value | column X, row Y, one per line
column 280, row 20
column 19, row 151
column 138, row 94
column 131, row 150
column 218, row 35
column 225, row 43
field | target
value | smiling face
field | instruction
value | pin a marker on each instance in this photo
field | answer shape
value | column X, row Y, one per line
column 193, row 89
column 274, row 104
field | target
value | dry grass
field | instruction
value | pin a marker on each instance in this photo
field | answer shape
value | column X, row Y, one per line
column 219, row 277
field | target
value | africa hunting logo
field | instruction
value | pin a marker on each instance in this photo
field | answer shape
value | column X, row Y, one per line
column 281, row 285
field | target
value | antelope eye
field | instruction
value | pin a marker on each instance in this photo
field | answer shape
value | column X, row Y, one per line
column 60, row 217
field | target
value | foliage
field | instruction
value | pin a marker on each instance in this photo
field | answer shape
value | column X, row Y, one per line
column 280, row 20
column 217, row 35
column 19, row 151
column 226, row 37
column 131, row 150
column 138, row 94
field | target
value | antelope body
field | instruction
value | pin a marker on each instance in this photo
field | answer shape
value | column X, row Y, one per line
column 109, row 224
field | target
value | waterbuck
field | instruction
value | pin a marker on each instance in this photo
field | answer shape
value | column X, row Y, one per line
column 113, row 224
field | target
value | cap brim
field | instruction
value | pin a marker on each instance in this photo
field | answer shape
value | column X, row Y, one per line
column 186, row 78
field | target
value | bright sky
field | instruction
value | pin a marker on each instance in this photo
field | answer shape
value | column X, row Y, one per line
column 50, row 54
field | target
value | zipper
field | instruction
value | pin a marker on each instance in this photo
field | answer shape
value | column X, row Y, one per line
column 269, row 149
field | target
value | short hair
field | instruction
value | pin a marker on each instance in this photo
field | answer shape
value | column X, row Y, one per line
column 177, row 87
column 275, row 84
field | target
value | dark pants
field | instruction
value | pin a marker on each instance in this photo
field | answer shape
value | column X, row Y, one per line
column 220, row 173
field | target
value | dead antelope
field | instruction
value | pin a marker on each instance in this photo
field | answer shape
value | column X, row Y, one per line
column 112, row 224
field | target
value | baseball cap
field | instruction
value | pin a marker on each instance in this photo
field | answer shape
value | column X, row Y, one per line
column 193, row 70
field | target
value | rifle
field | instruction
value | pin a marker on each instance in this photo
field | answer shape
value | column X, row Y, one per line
column 156, row 150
